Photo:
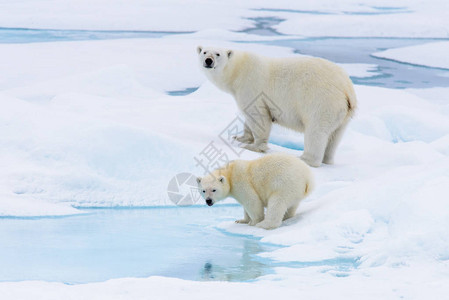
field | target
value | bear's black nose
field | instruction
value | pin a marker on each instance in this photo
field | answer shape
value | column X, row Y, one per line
column 209, row 61
column 209, row 201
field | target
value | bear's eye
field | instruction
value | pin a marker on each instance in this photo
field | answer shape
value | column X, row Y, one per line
column 204, row 52
column 204, row 191
column 213, row 191
column 218, row 54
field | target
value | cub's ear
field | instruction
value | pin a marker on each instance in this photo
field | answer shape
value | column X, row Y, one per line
column 198, row 180
column 199, row 49
column 230, row 53
column 222, row 179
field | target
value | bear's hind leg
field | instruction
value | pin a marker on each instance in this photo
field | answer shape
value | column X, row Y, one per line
column 334, row 140
column 276, row 210
column 291, row 211
column 315, row 142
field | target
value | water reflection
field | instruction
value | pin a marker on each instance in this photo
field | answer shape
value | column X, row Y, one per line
column 249, row 266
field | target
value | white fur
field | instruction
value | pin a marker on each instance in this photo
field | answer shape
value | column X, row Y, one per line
column 276, row 181
column 306, row 94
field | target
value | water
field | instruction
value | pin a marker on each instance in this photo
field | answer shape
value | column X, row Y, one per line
column 354, row 50
column 389, row 73
column 359, row 50
column 378, row 10
column 27, row 35
column 183, row 92
column 112, row 243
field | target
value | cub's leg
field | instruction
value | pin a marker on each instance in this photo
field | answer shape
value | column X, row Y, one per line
column 252, row 205
column 255, row 212
column 246, row 219
column 276, row 210
column 291, row 211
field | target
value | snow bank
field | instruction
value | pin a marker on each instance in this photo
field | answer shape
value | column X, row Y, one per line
column 366, row 19
column 123, row 15
column 128, row 67
column 12, row 205
column 431, row 55
column 88, row 122
column 418, row 281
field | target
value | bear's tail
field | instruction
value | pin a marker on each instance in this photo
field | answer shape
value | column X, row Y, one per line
column 351, row 102
column 310, row 186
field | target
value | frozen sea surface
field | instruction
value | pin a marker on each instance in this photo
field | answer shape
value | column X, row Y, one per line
column 112, row 243
column 346, row 50
column 388, row 73
column 90, row 120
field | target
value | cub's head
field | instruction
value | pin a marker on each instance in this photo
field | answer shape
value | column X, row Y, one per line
column 213, row 188
column 213, row 59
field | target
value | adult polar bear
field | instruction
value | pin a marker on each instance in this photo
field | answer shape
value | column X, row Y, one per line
column 306, row 94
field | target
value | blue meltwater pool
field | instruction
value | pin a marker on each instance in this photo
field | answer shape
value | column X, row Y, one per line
column 102, row 244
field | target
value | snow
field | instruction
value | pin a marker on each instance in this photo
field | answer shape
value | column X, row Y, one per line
column 13, row 206
column 89, row 123
column 365, row 19
column 418, row 281
column 361, row 25
column 78, row 105
column 132, row 288
column 430, row 54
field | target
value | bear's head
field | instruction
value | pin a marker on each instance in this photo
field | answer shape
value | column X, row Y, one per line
column 213, row 59
column 213, row 188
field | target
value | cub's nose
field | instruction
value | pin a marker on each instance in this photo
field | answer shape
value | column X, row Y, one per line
column 208, row 61
column 209, row 202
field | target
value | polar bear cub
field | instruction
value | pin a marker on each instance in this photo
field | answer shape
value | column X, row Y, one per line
column 276, row 181
column 306, row 94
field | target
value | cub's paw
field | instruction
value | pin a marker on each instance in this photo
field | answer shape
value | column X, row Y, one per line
column 267, row 225
column 242, row 221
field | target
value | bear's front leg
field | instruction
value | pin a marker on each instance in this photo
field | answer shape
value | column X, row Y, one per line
column 247, row 137
column 246, row 219
column 259, row 122
column 315, row 141
column 276, row 210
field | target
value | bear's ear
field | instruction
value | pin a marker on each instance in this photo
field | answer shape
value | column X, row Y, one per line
column 222, row 179
column 229, row 53
column 198, row 180
column 199, row 49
